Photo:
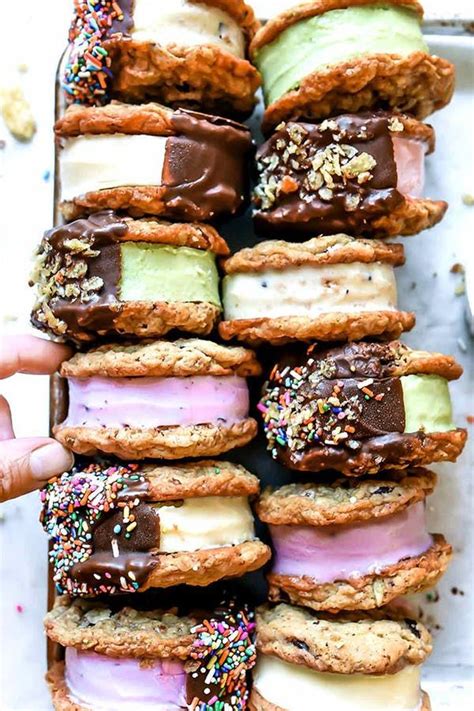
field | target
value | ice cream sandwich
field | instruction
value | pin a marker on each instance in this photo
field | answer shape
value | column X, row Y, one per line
column 183, row 53
column 362, row 174
column 106, row 274
column 150, row 160
column 361, row 408
column 119, row 657
column 158, row 399
column 329, row 288
column 324, row 57
column 352, row 544
column 349, row 662
column 137, row 527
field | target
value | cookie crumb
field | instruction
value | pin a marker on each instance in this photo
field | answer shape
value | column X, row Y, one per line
column 457, row 269
column 17, row 114
column 468, row 199
column 470, row 419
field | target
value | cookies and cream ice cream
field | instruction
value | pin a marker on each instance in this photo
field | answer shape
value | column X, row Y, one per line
column 310, row 291
column 329, row 288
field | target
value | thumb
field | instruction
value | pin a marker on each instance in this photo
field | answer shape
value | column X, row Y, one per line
column 27, row 464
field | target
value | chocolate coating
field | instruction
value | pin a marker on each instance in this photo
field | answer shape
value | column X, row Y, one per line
column 322, row 407
column 319, row 197
column 205, row 170
column 123, row 26
column 81, row 260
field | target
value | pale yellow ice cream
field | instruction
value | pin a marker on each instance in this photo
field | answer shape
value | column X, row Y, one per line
column 207, row 522
column 294, row 687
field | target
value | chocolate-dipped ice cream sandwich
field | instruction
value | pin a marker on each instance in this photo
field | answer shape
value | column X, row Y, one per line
column 362, row 174
column 183, row 53
column 353, row 544
column 119, row 658
column 330, row 288
column 107, row 274
column 327, row 56
column 138, row 527
column 361, row 408
column 151, row 160
column 349, row 662
column 158, row 399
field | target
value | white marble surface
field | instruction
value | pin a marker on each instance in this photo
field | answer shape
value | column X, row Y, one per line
column 26, row 209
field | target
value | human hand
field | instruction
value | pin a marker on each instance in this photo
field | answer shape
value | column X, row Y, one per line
column 27, row 463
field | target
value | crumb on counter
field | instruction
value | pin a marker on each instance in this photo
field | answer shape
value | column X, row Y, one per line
column 17, row 113
column 468, row 199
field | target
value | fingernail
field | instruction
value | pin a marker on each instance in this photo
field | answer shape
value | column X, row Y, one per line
column 50, row 460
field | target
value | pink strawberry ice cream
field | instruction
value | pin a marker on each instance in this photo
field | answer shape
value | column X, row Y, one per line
column 155, row 402
column 110, row 684
column 410, row 159
column 330, row 553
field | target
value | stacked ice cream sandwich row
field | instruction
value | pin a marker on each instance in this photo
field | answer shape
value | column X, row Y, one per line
column 353, row 421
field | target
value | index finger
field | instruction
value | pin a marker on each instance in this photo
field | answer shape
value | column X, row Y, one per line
column 29, row 354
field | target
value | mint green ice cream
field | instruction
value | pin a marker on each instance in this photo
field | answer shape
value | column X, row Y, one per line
column 335, row 37
column 157, row 272
column 427, row 403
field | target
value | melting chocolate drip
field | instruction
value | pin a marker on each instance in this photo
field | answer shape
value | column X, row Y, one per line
column 134, row 551
column 386, row 449
column 205, row 166
column 104, row 568
column 352, row 204
column 100, row 232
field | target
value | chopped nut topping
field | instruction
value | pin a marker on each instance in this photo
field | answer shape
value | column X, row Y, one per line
column 62, row 274
column 299, row 164
column 395, row 125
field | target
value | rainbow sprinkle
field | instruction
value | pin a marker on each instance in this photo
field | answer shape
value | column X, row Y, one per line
column 87, row 75
column 72, row 504
column 294, row 417
column 224, row 645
